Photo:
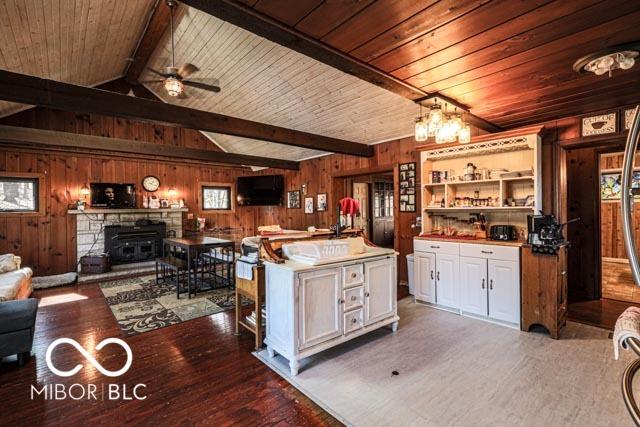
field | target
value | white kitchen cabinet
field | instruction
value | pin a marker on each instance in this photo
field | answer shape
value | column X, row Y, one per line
column 504, row 290
column 473, row 286
column 379, row 291
column 320, row 306
column 313, row 308
column 447, row 272
column 424, row 270
column 478, row 279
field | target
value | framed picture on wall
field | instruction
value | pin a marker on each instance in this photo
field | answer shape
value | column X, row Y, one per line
column 293, row 199
column 407, row 185
column 322, row 202
column 601, row 124
column 308, row 205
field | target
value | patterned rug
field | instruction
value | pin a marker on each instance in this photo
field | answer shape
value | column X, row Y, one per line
column 140, row 305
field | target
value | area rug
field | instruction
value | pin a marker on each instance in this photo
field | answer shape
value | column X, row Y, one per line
column 444, row 369
column 141, row 305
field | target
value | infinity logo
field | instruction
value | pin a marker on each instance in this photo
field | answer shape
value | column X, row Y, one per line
column 88, row 356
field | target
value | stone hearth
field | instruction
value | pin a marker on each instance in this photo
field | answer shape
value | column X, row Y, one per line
column 90, row 224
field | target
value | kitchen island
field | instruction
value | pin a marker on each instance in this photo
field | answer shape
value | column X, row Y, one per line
column 311, row 308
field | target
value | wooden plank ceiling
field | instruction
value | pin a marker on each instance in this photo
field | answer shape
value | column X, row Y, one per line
column 509, row 60
column 83, row 41
column 266, row 82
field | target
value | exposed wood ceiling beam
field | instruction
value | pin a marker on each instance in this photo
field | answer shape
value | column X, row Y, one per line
column 31, row 90
column 264, row 26
column 48, row 139
column 158, row 24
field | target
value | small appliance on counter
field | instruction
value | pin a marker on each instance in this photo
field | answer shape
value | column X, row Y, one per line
column 503, row 232
column 545, row 233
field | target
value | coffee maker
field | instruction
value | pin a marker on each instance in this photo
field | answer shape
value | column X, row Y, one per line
column 545, row 233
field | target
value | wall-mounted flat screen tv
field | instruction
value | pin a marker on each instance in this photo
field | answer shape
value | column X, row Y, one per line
column 109, row 195
column 264, row 190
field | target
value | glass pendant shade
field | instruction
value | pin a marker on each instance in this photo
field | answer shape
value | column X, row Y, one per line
column 173, row 86
column 464, row 136
column 421, row 129
column 435, row 115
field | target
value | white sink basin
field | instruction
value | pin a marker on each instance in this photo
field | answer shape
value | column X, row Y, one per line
column 317, row 252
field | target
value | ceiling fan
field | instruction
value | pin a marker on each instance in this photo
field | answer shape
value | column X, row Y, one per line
column 174, row 79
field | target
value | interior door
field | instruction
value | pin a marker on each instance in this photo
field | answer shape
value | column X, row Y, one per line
column 361, row 194
column 425, row 276
column 319, row 306
column 380, row 290
column 473, row 285
column 447, row 269
column 504, row 290
column 383, row 225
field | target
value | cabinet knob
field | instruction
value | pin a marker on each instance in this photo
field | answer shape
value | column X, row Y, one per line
column 366, row 294
column 354, row 320
column 483, row 283
column 491, row 284
column 354, row 275
column 435, row 247
column 438, row 275
column 487, row 252
column 431, row 274
column 340, row 301
column 353, row 298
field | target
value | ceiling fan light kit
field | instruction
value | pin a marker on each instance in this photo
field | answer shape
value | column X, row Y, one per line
column 619, row 57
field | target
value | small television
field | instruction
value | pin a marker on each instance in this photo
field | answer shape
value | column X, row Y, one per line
column 110, row 195
column 264, row 190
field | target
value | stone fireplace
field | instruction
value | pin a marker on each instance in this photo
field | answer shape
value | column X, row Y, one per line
column 91, row 224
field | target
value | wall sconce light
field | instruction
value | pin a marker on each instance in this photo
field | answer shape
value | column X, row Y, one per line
column 304, row 189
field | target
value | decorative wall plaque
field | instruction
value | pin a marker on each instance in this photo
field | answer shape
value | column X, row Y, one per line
column 628, row 118
column 601, row 124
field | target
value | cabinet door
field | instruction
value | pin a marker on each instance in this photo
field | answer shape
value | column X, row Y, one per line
column 424, row 271
column 473, row 285
column 447, row 271
column 319, row 307
column 379, row 290
column 504, row 290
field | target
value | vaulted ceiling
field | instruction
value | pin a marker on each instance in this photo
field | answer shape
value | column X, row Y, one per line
column 83, row 42
column 510, row 61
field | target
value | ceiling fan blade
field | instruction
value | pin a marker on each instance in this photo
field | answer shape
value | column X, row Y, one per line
column 199, row 85
column 157, row 72
column 187, row 69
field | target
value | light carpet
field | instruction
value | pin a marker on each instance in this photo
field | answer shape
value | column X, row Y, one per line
column 454, row 370
column 141, row 305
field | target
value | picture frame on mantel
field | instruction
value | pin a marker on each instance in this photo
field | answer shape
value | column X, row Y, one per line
column 599, row 124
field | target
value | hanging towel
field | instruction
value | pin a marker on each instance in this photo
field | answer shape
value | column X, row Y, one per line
column 627, row 326
column 244, row 270
column 349, row 206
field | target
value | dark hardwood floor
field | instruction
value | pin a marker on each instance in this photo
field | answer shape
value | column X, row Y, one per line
column 196, row 372
column 602, row 313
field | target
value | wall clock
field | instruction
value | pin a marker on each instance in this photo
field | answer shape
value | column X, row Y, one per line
column 150, row 183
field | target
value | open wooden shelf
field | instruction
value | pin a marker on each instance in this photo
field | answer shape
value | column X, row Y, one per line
column 481, row 209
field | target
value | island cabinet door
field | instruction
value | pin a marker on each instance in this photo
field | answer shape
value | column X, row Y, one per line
column 319, row 307
column 379, row 290
column 447, row 272
column 425, row 276
column 473, row 285
column 504, row 290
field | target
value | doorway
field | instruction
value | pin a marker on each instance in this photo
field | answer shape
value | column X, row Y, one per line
column 375, row 194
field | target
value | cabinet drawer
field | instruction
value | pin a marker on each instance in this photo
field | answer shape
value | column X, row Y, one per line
column 353, row 298
column 353, row 321
column 436, row 247
column 506, row 253
column 352, row 275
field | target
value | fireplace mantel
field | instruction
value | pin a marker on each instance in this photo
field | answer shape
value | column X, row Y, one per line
column 127, row 210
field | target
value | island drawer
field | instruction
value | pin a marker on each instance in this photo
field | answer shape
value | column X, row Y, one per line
column 352, row 275
column 353, row 321
column 353, row 297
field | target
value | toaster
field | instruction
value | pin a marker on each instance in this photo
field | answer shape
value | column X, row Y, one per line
column 503, row 232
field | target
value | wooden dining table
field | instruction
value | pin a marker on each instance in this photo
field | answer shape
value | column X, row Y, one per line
column 193, row 246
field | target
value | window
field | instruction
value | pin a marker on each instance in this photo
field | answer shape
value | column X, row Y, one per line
column 216, row 198
column 19, row 194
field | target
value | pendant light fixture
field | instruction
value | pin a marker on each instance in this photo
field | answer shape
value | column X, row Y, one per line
column 421, row 128
column 444, row 127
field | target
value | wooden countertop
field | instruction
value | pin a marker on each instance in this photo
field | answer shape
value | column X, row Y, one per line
column 513, row 243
